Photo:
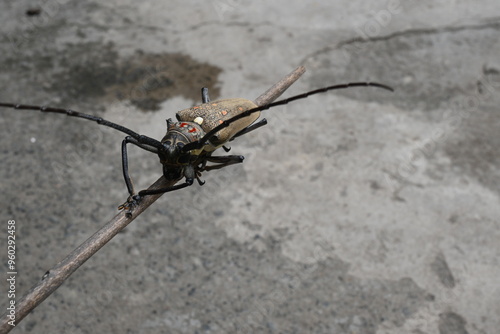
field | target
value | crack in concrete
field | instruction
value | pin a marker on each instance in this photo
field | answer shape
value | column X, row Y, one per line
column 411, row 32
column 224, row 24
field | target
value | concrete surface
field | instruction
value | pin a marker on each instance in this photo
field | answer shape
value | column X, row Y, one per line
column 356, row 211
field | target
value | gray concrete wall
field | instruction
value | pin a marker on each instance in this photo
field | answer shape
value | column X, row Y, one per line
column 356, row 211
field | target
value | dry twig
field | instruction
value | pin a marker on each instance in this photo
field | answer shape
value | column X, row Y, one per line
column 54, row 277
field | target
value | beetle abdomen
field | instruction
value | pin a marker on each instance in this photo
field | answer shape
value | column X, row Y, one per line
column 215, row 112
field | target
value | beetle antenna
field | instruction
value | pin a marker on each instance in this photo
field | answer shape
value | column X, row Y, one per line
column 198, row 144
column 140, row 138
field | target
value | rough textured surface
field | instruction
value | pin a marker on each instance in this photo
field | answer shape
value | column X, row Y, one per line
column 358, row 211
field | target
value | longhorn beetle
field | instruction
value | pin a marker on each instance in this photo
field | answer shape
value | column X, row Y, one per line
column 188, row 145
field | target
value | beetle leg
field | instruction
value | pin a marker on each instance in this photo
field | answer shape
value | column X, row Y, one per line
column 223, row 161
column 126, row 176
column 198, row 175
column 204, row 95
column 133, row 199
column 146, row 192
column 190, row 175
column 227, row 149
column 250, row 128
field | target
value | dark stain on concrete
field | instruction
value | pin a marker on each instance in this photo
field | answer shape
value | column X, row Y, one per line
column 149, row 79
column 94, row 73
column 84, row 70
column 440, row 267
column 452, row 323
column 473, row 148
column 144, row 79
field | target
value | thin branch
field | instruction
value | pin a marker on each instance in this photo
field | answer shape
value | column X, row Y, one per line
column 279, row 88
column 61, row 271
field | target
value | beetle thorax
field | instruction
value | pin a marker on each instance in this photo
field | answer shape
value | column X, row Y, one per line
column 179, row 134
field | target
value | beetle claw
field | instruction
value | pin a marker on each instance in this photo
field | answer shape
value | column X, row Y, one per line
column 200, row 182
column 130, row 204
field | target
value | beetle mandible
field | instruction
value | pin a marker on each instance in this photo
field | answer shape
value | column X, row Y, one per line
column 188, row 144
